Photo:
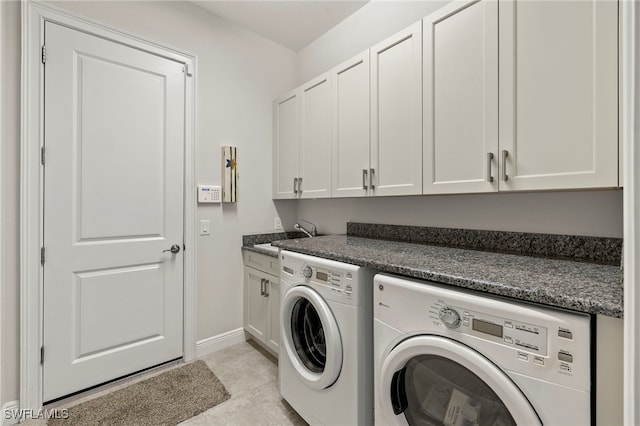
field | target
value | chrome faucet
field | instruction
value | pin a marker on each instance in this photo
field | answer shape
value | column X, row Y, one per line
column 311, row 233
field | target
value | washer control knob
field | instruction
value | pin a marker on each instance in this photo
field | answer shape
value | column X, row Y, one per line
column 450, row 317
column 307, row 272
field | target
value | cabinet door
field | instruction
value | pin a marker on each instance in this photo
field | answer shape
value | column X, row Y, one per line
column 255, row 304
column 396, row 113
column 315, row 158
column 460, row 52
column 350, row 104
column 286, row 145
column 273, row 337
column 558, row 94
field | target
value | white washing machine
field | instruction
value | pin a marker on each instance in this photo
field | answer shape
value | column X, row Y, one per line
column 326, row 353
column 453, row 357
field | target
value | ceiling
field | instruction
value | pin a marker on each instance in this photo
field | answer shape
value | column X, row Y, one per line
column 291, row 23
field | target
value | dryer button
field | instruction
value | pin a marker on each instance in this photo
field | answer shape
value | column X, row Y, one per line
column 522, row 356
column 565, row 356
column 565, row 334
column 538, row 360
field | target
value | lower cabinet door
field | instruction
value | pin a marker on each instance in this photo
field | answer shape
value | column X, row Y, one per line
column 273, row 336
column 262, row 307
column 255, row 303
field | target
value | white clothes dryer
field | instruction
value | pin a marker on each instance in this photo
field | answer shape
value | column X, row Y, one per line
column 452, row 357
column 326, row 356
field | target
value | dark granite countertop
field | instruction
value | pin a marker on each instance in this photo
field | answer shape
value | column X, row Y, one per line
column 581, row 286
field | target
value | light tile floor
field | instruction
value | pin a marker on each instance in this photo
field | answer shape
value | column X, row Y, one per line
column 250, row 375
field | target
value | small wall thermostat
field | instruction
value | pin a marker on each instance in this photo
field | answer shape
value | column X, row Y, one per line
column 209, row 194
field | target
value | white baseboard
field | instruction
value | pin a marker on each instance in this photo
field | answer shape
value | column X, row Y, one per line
column 221, row 341
column 10, row 413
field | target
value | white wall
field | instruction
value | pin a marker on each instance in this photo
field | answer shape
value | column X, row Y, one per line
column 9, row 191
column 594, row 213
column 597, row 213
column 371, row 24
column 239, row 74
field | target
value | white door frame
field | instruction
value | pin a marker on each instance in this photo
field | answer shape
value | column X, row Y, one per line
column 34, row 15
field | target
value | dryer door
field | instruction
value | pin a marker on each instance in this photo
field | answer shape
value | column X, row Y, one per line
column 311, row 337
column 428, row 380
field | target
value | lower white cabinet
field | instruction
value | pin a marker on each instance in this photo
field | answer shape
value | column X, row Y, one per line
column 262, row 300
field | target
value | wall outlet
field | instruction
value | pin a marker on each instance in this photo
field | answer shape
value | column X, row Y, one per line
column 278, row 224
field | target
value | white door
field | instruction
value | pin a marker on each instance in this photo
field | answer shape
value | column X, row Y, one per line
column 558, row 94
column 286, row 146
column 350, row 104
column 315, row 145
column 114, row 138
column 460, row 52
column 396, row 113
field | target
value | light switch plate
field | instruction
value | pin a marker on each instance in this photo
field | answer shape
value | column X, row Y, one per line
column 205, row 227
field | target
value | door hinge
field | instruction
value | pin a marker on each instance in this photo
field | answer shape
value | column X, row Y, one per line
column 42, row 155
column 41, row 354
column 42, row 256
column 44, row 54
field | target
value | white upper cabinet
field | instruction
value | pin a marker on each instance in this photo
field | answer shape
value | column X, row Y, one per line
column 396, row 114
column 286, row 145
column 460, row 71
column 315, row 152
column 350, row 151
column 302, row 141
column 558, row 94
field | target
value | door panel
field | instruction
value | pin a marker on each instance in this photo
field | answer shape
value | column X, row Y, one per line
column 350, row 126
column 315, row 156
column 114, row 135
column 396, row 113
column 461, row 98
column 286, row 145
column 559, row 94
column 255, row 304
column 105, row 133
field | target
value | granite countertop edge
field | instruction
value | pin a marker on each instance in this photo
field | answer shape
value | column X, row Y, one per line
column 601, row 294
column 266, row 252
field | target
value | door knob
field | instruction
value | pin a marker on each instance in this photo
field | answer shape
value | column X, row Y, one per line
column 174, row 249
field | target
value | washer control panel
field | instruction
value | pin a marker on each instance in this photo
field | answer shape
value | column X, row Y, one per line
column 338, row 282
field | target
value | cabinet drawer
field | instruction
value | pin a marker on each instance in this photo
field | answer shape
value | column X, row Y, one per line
column 262, row 262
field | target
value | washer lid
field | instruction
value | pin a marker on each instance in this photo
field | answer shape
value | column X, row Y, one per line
column 435, row 380
column 311, row 337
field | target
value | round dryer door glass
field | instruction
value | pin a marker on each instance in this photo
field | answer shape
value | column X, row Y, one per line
column 308, row 336
column 433, row 390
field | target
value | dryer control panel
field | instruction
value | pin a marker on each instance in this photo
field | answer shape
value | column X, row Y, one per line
column 520, row 335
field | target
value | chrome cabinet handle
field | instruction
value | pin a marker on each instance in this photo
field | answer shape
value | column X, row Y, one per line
column 372, row 178
column 266, row 288
column 489, row 159
column 295, row 183
column 505, row 154
column 174, row 249
column 299, row 185
column 364, row 179
column 262, row 280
